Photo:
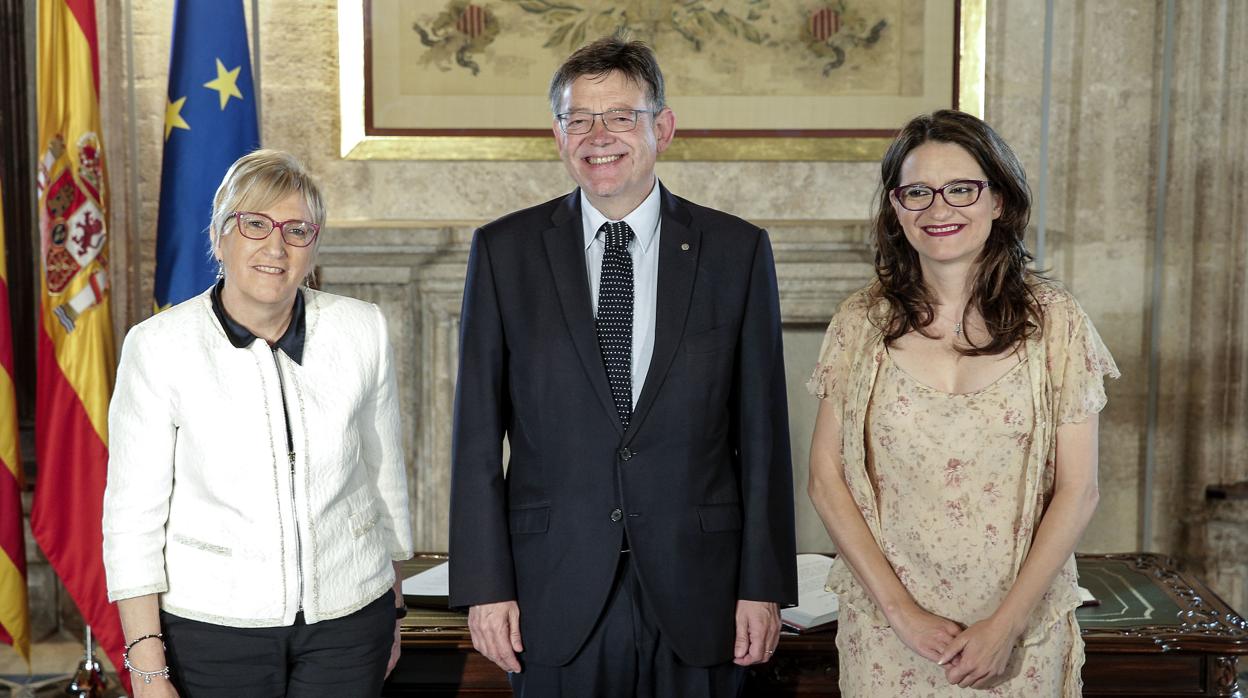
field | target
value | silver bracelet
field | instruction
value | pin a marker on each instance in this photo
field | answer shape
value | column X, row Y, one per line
column 147, row 675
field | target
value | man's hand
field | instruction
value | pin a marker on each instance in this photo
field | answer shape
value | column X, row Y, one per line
column 977, row 658
column 758, row 632
column 495, row 629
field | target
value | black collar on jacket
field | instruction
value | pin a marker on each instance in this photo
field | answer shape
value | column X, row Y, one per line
column 679, row 246
column 291, row 340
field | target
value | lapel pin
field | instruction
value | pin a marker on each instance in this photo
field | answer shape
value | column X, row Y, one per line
column 684, row 246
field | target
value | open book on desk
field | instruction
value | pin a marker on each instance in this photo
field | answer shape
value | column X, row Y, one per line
column 816, row 606
column 428, row 589
column 1087, row 599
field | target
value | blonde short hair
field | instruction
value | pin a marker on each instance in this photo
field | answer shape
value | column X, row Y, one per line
column 258, row 179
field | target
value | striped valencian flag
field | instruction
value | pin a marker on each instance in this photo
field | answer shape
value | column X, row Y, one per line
column 75, row 357
column 471, row 21
column 824, row 22
column 14, row 615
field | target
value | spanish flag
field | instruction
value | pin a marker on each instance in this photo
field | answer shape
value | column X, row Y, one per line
column 75, row 354
column 14, row 618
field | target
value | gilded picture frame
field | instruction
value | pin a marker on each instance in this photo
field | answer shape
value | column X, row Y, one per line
column 382, row 105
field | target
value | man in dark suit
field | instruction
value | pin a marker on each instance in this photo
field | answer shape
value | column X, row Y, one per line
column 627, row 342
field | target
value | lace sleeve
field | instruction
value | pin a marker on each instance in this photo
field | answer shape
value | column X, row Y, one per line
column 831, row 369
column 1086, row 364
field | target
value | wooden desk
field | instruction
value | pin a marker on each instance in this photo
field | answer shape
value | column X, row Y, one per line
column 1157, row 632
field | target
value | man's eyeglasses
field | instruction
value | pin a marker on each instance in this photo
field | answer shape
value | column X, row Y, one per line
column 257, row 226
column 958, row 193
column 576, row 123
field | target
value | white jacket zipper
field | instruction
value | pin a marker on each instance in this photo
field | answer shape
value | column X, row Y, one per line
column 290, row 456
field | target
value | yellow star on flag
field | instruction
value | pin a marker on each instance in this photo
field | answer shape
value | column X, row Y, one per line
column 173, row 116
column 226, row 83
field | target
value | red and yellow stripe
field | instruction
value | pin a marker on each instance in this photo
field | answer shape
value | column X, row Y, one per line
column 14, row 614
column 74, row 371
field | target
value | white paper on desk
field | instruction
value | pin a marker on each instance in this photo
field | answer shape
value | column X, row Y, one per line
column 434, row 581
column 815, row 604
column 1087, row 599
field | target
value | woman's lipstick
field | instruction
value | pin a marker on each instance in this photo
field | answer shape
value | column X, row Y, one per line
column 940, row 231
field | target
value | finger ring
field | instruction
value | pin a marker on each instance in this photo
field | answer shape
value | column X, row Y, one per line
column 771, row 651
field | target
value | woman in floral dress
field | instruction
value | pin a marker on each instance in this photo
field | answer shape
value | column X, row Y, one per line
column 955, row 452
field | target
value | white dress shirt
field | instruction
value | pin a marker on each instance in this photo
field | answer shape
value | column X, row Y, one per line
column 644, row 249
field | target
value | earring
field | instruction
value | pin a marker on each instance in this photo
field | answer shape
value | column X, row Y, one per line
column 220, row 269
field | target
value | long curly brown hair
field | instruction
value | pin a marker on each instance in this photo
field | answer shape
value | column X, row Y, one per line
column 1002, row 287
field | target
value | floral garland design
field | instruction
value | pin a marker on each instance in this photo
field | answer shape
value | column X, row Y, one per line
column 831, row 32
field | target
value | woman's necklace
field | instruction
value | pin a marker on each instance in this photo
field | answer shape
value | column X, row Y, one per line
column 957, row 329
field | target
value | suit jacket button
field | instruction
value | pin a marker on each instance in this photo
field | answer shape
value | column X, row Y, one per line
column 625, row 454
column 616, row 514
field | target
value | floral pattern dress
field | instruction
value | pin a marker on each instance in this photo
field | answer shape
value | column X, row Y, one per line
column 952, row 487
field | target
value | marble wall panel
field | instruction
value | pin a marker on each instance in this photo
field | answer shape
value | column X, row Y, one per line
column 1097, row 229
column 1206, row 236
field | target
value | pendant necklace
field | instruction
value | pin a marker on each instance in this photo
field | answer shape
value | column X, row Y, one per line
column 957, row 329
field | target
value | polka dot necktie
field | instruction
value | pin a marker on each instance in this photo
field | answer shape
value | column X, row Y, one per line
column 615, row 316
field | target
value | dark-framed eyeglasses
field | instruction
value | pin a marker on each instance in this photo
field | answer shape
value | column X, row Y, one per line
column 576, row 123
column 958, row 193
column 257, row 226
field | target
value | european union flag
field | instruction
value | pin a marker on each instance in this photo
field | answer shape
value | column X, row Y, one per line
column 210, row 121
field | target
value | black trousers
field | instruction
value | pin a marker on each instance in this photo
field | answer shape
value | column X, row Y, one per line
column 627, row 656
column 344, row 657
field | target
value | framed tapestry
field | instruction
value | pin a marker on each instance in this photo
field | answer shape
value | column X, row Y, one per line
column 748, row 79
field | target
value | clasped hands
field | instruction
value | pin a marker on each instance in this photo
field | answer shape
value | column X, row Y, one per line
column 973, row 657
column 495, row 630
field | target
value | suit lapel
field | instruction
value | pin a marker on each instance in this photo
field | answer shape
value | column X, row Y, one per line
column 679, row 246
column 565, row 250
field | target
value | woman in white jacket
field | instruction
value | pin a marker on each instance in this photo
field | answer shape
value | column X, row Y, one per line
column 257, row 502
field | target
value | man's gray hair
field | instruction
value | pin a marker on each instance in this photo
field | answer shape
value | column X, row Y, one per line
column 633, row 59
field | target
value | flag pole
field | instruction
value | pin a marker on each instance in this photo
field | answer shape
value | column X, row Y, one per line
column 88, row 680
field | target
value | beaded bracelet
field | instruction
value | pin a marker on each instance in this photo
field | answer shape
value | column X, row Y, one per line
column 158, row 636
column 147, row 675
